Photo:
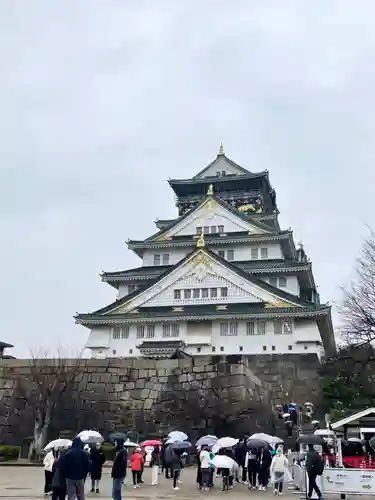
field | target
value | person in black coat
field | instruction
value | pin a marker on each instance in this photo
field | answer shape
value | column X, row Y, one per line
column 97, row 458
column 265, row 459
column 119, row 469
column 58, row 482
column 75, row 466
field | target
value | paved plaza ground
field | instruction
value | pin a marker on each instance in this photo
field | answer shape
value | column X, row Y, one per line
column 26, row 483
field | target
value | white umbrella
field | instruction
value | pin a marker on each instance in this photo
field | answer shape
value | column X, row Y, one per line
column 90, row 437
column 206, row 441
column 130, row 444
column 223, row 462
column 324, row 433
column 354, row 440
column 286, row 415
column 225, row 442
column 58, row 444
column 267, row 438
column 177, row 436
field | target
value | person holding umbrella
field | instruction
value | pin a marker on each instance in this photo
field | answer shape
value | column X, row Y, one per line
column 119, row 468
column 176, row 464
column 155, row 464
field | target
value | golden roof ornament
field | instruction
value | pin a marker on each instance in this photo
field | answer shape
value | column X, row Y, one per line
column 221, row 149
column 200, row 242
column 210, row 190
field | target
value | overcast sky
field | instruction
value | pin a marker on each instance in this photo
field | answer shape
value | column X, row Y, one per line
column 102, row 101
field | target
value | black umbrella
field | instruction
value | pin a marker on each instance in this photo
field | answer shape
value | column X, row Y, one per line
column 117, row 436
column 310, row 439
column 256, row 443
column 181, row 445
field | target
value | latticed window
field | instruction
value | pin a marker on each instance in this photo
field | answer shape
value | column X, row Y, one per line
column 233, row 329
column 213, row 292
column 199, row 230
column 288, row 326
column 140, row 332
column 224, row 292
column 166, row 330
column 157, row 259
column 278, row 327
column 150, row 331
column 224, row 329
column 273, row 281
column 196, row 293
column 230, row 255
column 175, row 330
column 261, row 327
column 264, row 253
column 165, row 259
column 120, row 332
column 187, row 293
column 204, row 293
column 177, row 294
column 282, row 282
column 250, row 328
column 254, row 253
column 221, row 253
column 213, row 229
column 220, row 229
column 116, row 332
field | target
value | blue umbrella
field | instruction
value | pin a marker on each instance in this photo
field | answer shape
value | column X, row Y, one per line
column 181, row 445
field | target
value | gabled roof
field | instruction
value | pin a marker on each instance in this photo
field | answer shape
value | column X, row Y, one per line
column 353, row 418
column 281, row 295
column 221, row 156
column 262, row 226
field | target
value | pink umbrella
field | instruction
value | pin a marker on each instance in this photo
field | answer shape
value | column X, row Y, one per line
column 151, row 442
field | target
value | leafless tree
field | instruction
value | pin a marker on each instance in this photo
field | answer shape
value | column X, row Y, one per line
column 358, row 309
column 47, row 382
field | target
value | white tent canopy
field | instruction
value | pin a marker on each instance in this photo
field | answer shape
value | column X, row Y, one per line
column 355, row 420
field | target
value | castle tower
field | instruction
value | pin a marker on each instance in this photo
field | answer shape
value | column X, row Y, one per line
column 222, row 278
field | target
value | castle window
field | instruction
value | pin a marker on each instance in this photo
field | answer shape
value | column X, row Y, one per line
column 230, row 255
column 306, row 347
column 217, row 173
column 290, row 347
column 250, row 328
column 199, row 230
column 264, row 253
column 264, row 348
column 221, row 254
column 233, row 329
column 273, row 348
column 199, row 349
column 175, row 330
column 254, row 253
column 114, row 351
column 221, row 348
column 140, row 332
column 213, row 229
column 224, row 329
column 220, row 229
column 130, row 351
column 282, row 282
column 261, row 327
column 213, row 293
column 224, row 292
column 120, row 332
column 273, row 281
column 157, row 259
column 150, row 331
column 187, row 293
column 277, row 327
column 196, row 293
column 177, row 294
column 206, row 230
column 240, row 348
column 165, row 259
column 204, row 293
column 223, row 173
column 213, row 349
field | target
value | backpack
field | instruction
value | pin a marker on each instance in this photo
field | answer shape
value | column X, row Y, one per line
column 319, row 465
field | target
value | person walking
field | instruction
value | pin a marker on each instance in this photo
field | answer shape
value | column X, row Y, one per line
column 137, row 461
column 314, row 468
column 155, row 464
column 58, row 481
column 176, row 467
column 265, row 459
column 240, row 456
column 48, row 465
column 279, row 466
column 97, row 458
column 119, row 468
column 75, row 466
column 252, row 467
column 204, row 458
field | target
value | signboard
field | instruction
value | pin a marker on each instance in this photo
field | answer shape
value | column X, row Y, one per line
column 359, row 481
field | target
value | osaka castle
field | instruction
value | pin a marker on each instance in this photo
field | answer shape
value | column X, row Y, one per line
column 222, row 278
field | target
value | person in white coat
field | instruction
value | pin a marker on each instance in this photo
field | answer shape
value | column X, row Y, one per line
column 279, row 466
column 48, row 464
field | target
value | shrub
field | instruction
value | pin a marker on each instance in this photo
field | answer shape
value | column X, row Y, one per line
column 9, row 452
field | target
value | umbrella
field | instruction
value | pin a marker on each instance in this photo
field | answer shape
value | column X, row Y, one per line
column 90, row 437
column 310, row 439
column 206, row 441
column 181, row 445
column 272, row 440
column 225, row 442
column 151, row 442
column 324, row 432
column 223, row 462
column 118, row 436
column 257, row 443
column 177, row 436
column 58, row 444
column 130, row 444
column 286, row 415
